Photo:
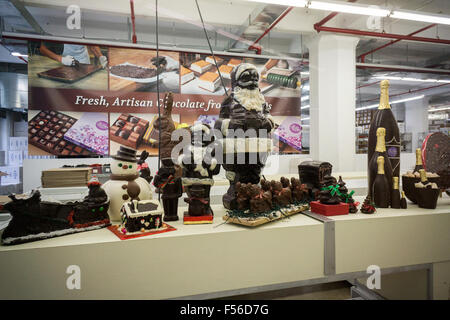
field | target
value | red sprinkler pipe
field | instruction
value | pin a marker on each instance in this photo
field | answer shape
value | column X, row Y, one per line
column 133, row 23
column 363, row 56
column 381, row 35
column 328, row 17
column 254, row 45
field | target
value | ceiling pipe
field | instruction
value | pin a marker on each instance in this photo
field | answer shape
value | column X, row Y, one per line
column 254, row 45
column 133, row 23
column 380, row 35
column 401, row 68
column 409, row 92
column 329, row 17
column 362, row 57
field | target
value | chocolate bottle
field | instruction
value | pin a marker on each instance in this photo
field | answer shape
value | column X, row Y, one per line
column 384, row 117
column 380, row 188
column 372, row 168
column 403, row 204
column 419, row 164
column 424, row 182
column 395, row 194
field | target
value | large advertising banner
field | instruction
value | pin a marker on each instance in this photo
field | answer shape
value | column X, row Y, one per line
column 89, row 100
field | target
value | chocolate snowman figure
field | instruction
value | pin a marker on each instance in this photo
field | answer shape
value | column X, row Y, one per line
column 125, row 184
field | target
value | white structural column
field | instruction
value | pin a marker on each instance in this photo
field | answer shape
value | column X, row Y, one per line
column 416, row 119
column 332, row 67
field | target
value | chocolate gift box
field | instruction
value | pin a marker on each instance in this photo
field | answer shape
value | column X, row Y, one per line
column 90, row 132
column 128, row 130
column 47, row 132
column 290, row 132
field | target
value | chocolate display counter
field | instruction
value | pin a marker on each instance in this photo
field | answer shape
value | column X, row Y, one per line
column 218, row 260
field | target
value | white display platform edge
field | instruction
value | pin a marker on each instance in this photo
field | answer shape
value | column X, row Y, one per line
column 195, row 259
column 211, row 261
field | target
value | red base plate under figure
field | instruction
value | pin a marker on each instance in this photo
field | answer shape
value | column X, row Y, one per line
column 329, row 209
column 188, row 219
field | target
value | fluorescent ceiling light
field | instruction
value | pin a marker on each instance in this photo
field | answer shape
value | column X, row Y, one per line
column 393, row 102
column 304, row 98
column 361, row 9
column 291, row 3
column 431, row 18
column 306, row 107
column 349, row 8
column 439, row 109
column 18, row 54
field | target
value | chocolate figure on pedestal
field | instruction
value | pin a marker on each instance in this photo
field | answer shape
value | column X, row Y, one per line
column 246, row 125
column 199, row 167
column 168, row 177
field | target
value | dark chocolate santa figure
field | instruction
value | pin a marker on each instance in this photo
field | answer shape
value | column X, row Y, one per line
column 168, row 178
column 246, row 125
column 199, row 167
column 96, row 193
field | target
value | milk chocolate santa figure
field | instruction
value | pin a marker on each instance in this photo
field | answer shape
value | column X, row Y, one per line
column 244, row 109
column 168, row 177
column 199, row 167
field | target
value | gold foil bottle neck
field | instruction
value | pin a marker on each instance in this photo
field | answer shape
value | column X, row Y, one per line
column 380, row 162
column 395, row 183
column 419, row 157
column 423, row 175
column 381, row 142
column 384, row 95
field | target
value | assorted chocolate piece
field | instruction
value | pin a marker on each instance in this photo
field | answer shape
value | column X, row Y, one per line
column 136, row 72
column 368, row 207
column 270, row 195
column 46, row 131
column 128, row 130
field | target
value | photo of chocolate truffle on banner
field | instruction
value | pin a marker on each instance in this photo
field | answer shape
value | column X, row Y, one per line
column 199, row 74
column 133, row 70
column 136, row 131
column 68, row 133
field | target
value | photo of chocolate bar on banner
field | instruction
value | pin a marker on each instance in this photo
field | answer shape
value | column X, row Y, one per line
column 199, row 74
column 287, row 137
column 135, row 131
column 72, row 134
